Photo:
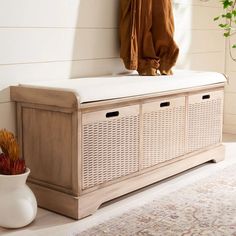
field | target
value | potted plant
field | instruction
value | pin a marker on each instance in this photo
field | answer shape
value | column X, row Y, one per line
column 18, row 205
column 228, row 22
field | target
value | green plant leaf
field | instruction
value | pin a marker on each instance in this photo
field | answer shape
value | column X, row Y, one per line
column 227, row 34
column 227, row 3
column 228, row 15
column 223, row 25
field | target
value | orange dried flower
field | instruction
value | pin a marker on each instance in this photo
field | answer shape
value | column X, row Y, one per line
column 10, row 162
column 9, row 145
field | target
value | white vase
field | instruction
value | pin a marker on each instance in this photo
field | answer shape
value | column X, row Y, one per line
column 18, row 206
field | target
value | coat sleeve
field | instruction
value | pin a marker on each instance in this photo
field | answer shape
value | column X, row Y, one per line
column 163, row 35
column 128, row 34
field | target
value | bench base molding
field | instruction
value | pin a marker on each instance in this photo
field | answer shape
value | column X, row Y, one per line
column 86, row 204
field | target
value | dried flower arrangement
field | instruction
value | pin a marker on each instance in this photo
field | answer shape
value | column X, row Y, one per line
column 10, row 162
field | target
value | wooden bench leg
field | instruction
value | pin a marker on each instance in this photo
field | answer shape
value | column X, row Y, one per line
column 220, row 156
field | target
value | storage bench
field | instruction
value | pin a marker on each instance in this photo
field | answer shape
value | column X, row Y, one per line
column 90, row 140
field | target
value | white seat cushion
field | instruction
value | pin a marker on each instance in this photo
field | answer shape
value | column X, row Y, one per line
column 112, row 87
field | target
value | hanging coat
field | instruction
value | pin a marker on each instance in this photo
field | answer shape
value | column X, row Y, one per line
column 146, row 36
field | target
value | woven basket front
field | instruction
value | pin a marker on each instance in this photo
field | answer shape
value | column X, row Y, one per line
column 163, row 131
column 110, row 146
column 205, row 112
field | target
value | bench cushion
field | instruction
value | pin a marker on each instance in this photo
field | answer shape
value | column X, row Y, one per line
column 113, row 87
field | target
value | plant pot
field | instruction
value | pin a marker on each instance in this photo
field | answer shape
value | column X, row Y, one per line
column 18, row 206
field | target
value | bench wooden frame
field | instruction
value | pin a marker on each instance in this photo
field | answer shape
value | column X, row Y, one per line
column 50, row 132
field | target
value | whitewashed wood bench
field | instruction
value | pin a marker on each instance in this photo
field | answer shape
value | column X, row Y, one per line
column 90, row 140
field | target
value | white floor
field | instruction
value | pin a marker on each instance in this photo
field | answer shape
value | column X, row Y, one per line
column 48, row 223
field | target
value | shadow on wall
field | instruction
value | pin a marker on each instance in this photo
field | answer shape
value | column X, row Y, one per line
column 202, row 46
column 183, row 34
column 96, row 40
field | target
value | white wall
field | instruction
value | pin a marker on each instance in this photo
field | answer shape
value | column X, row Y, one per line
column 60, row 39
column 201, row 44
column 230, row 93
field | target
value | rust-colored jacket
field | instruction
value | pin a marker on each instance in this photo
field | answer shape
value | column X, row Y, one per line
column 146, row 36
